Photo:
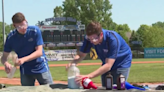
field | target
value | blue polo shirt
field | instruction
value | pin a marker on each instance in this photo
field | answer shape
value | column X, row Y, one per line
column 113, row 46
column 24, row 45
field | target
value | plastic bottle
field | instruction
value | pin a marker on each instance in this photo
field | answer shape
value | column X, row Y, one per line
column 73, row 71
column 109, row 82
column 13, row 69
column 12, row 72
column 121, row 82
column 88, row 83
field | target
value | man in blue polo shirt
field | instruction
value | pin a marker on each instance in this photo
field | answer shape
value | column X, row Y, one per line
column 26, row 41
column 111, row 48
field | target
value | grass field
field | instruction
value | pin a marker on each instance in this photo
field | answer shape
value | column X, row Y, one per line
column 98, row 61
column 139, row 72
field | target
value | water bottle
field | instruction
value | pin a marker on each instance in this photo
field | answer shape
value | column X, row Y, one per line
column 12, row 72
column 13, row 69
column 73, row 71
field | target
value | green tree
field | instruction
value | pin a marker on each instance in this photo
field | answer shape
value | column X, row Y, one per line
column 154, row 37
column 1, row 42
column 8, row 28
column 122, row 30
column 158, row 24
column 142, row 30
column 58, row 12
column 134, row 37
column 88, row 10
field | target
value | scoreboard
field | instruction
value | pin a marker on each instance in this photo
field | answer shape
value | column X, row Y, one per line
column 64, row 34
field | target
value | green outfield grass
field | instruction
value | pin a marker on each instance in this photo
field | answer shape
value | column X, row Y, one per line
column 139, row 73
column 99, row 61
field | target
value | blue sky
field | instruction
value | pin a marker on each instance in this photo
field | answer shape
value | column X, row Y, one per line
column 132, row 12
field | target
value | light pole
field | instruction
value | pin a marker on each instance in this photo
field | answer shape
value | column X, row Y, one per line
column 3, row 27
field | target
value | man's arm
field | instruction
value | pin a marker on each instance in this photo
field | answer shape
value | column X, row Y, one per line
column 35, row 54
column 85, row 48
column 7, row 49
column 79, row 57
column 7, row 65
column 4, row 57
column 103, row 69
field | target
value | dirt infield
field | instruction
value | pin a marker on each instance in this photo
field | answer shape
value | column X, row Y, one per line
column 16, row 81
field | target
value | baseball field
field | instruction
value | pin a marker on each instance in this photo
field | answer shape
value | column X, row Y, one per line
column 142, row 71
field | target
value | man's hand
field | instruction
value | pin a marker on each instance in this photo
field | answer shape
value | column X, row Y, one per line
column 4, row 61
column 80, row 77
column 8, row 67
column 68, row 65
column 32, row 56
column 77, row 59
column 20, row 61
